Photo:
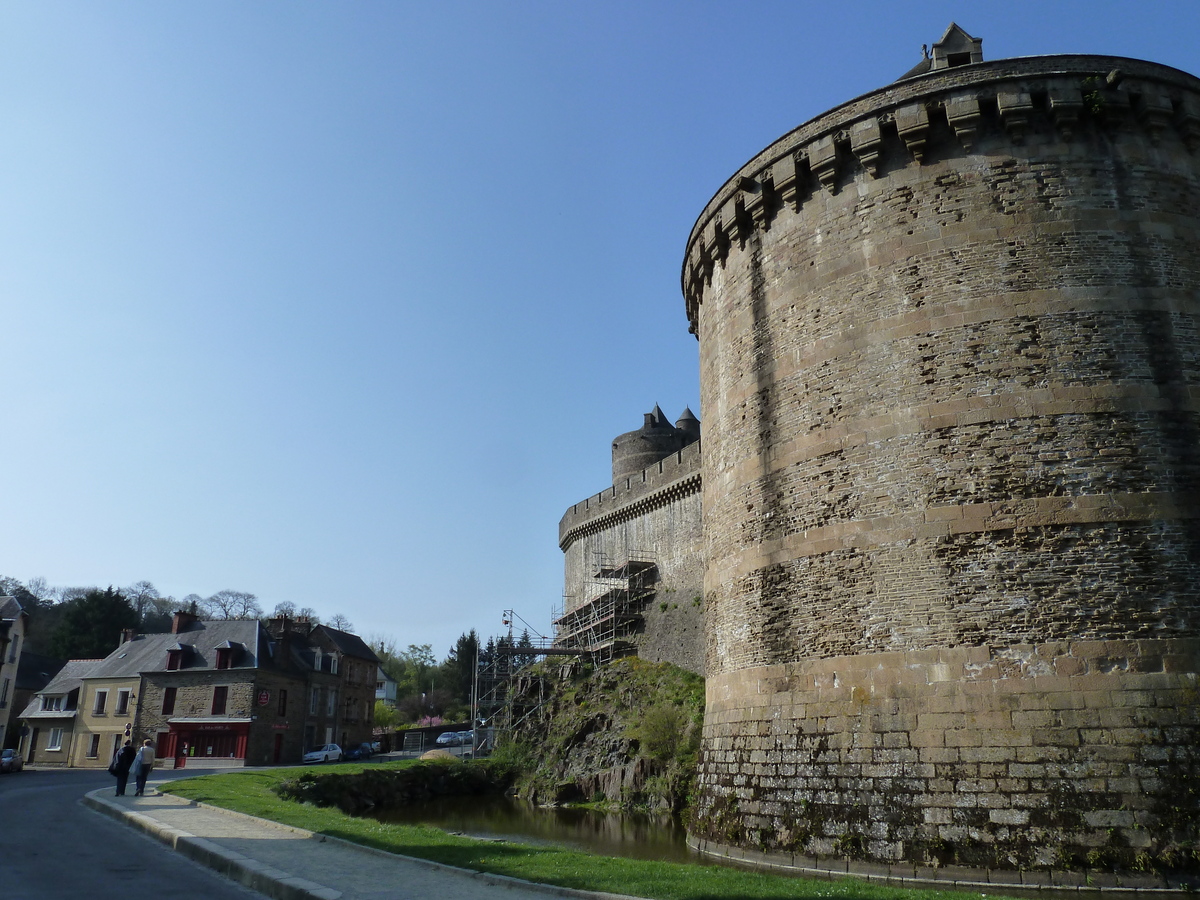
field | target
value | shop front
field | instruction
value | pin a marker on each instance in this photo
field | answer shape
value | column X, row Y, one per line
column 189, row 741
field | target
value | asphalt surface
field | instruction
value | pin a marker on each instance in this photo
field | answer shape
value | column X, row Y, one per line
column 64, row 834
column 54, row 848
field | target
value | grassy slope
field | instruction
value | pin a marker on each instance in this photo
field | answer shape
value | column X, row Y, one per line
column 250, row 792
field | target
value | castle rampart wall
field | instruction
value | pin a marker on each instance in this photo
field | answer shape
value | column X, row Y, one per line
column 659, row 512
column 950, row 368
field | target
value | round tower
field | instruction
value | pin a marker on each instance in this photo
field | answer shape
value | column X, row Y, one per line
column 950, row 362
column 634, row 451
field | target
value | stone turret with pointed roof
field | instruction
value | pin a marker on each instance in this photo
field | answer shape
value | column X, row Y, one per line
column 656, row 439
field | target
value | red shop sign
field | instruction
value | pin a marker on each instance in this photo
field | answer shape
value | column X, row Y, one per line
column 264, row 697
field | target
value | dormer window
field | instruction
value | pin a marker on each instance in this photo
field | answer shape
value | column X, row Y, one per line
column 227, row 655
column 177, row 656
column 956, row 48
column 317, row 659
column 333, row 664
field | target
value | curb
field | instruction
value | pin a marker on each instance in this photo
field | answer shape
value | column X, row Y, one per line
column 275, row 883
column 281, row 885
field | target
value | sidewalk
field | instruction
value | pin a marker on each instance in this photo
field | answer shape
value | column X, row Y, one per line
column 293, row 864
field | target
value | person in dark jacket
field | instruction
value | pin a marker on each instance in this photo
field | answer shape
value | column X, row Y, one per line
column 120, row 764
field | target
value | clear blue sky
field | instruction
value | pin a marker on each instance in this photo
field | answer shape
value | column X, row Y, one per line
column 342, row 303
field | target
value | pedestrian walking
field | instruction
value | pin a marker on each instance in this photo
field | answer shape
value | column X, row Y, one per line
column 121, row 762
column 142, row 764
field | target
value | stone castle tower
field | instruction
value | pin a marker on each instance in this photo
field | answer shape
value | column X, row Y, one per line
column 950, row 370
column 633, row 554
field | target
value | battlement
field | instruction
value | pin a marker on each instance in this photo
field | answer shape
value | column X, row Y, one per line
column 948, row 109
column 668, row 479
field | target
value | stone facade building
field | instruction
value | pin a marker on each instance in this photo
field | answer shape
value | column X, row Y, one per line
column 233, row 692
column 950, row 366
column 634, row 554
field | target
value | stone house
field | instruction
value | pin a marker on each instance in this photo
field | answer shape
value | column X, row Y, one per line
column 340, row 673
column 213, row 691
column 230, row 692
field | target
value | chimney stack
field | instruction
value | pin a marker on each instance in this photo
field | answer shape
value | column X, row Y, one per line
column 182, row 621
column 128, row 634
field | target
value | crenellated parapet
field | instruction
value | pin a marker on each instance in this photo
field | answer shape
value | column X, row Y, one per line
column 942, row 113
column 660, row 484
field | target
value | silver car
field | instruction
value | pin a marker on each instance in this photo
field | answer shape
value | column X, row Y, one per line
column 10, row 761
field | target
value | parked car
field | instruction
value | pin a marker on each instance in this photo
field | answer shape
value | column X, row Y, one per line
column 359, row 751
column 376, row 746
column 448, row 739
column 466, row 738
column 327, row 753
column 10, row 761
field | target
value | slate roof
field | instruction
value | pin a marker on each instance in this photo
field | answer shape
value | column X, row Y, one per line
column 148, row 652
column 349, row 644
column 69, row 678
column 10, row 608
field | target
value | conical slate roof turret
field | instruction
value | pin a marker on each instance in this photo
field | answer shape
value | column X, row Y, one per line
column 634, row 451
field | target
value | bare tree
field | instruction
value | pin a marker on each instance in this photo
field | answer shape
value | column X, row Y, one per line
column 341, row 623
column 38, row 587
column 286, row 608
column 192, row 603
column 309, row 613
column 229, row 604
column 139, row 594
column 67, row 594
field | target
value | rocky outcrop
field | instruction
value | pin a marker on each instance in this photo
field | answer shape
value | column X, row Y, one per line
column 588, row 740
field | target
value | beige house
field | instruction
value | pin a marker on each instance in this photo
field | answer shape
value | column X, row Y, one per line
column 51, row 717
column 104, row 720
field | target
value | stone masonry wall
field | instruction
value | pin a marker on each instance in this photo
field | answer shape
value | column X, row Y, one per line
column 659, row 513
column 950, row 369
column 193, row 698
column 1049, row 756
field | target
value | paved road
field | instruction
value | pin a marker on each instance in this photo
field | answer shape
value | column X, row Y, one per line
column 54, row 848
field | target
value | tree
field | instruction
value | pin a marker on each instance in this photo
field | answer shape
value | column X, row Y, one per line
column 341, row 623
column 159, row 614
column 191, row 603
column 139, row 594
column 459, row 668
column 307, row 612
column 524, row 659
column 38, row 588
column 229, row 604
column 285, row 609
column 385, row 716
column 91, row 625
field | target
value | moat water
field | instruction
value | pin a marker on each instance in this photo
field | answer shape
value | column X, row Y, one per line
column 505, row 818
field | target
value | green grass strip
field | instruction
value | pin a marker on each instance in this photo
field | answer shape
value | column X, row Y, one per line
column 250, row 792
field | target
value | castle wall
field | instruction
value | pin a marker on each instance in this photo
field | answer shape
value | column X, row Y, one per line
column 950, row 368
column 657, row 511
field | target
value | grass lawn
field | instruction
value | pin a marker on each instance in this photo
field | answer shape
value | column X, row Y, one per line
column 250, row 792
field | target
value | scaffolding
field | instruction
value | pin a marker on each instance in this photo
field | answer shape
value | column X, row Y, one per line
column 601, row 627
column 506, row 692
